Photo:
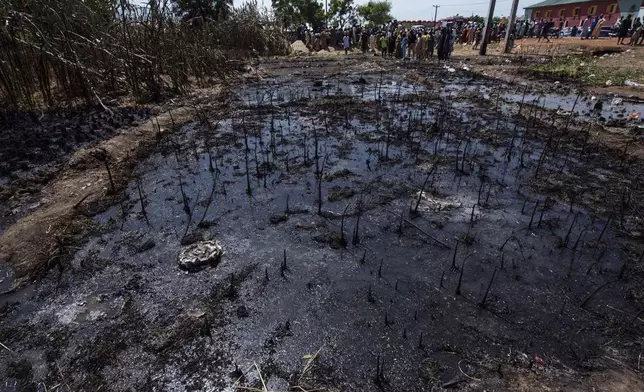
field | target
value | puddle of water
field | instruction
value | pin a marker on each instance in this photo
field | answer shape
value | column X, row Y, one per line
column 584, row 107
column 9, row 296
column 285, row 91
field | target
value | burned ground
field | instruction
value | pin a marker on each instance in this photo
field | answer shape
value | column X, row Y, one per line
column 404, row 227
column 36, row 146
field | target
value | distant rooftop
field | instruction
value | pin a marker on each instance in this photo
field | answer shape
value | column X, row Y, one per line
column 416, row 21
column 550, row 3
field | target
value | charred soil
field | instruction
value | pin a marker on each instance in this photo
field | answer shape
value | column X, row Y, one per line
column 401, row 226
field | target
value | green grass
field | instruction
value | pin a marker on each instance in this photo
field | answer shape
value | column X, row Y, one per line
column 590, row 71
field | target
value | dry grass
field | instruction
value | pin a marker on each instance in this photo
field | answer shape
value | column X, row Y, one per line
column 73, row 51
column 590, row 70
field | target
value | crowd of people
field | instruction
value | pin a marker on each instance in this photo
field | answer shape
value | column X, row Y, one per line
column 395, row 41
column 399, row 42
column 590, row 27
column 423, row 42
column 627, row 27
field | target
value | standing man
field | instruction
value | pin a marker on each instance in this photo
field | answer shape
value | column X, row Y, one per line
column 593, row 23
column 423, row 47
column 598, row 26
column 545, row 29
column 404, row 41
column 411, row 43
column 419, row 45
column 364, row 41
column 585, row 27
column 560, row 28
column 384, row 45
column 443, row 44
column 478, row 36
column 636, row 36
column 324, row 40
column 431, row 43
column 636, row 24
column 624, row 28
column 346, row 41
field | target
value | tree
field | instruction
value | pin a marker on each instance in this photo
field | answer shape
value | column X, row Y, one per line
column 312, row 12
column 342, row 13
column 285, row 12
column 223, row 9
column 477, row 19
column 294, row 12
column 206, row 9
column 375, row 12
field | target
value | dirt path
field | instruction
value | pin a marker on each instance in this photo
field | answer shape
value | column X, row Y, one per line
column 47, row 237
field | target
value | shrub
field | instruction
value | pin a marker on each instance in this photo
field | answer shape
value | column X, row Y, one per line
column 70, row 51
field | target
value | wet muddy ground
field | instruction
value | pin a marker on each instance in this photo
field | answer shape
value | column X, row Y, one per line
column 384, row 227
column 35, row 146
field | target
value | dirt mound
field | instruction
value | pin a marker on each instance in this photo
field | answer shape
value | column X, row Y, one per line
column 368, row 67
column 298, row 47
column 326, row 53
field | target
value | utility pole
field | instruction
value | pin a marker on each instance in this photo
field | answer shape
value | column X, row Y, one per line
column 436, row 7
column 488, row 24
column 326, row 14
column 507, row 48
